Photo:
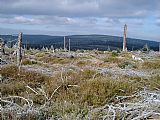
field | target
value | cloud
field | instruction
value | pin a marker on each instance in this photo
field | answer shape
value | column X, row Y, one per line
column 37, row 20
column 81, row 16
column 59, row 21
column 49, row 7
column 79, row 8
column 73, row 12
column 132, row 21
column 158, row 22
column 17, row 19
column 21, row 19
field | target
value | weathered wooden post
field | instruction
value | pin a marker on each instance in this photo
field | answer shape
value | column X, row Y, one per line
column 124, row 38
column 19, row 51
column 159, row 48
column 24, row 51
column 64, row 43
column 2, row 52
column 69, row 45
column 2, row 46
column 108, row 49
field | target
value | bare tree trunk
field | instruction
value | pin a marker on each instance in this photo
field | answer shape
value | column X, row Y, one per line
column 69, row 45
column 19, row 50
column 24, row 51
column 2, row 52
column 64, row 43
column 159, row 48
column 2, row 46
column 124, row 38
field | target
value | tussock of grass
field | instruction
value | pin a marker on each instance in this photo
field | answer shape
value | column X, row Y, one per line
column 127, row 64
column 19, row 80
column 40, row 54
column 115, row 54
column 89, row 91
column 74, row 111
column 28, row 62
column 82, row 86
column 56, row 60
column 82, row 63
column 92, row 91
column 13, row 88
column 155, row 64
column 112, row 59
column 153, row 82
column 26, row 76
column 126, row 54
column 98, row 91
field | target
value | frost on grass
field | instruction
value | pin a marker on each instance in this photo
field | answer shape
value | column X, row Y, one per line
column 87, row 85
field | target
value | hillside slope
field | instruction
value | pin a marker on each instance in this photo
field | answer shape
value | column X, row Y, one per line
column 83, row 42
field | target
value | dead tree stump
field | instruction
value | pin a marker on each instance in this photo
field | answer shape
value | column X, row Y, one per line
column 124, row 38
column 19, row 51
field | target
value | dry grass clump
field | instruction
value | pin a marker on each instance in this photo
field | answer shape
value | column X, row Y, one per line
column 9, row 71
column 82, row 63
column 154, row 64
column 26, row 76
column 17, row 81
column 12, row 88
column 157, row 56
column 75, row 89
column 28, row 62
column 96, row 92
column 124, row 64
column 112, row 59
column 79, row 87
column 115, row 54
column 91, row 91
column 71, row 77
column 69, row 111
column 40, row 54
column 126, row 54
column 56, row 60
column 153, row 82
column 127, row 64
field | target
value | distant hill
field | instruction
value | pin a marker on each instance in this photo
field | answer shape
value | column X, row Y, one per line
column 83, row 42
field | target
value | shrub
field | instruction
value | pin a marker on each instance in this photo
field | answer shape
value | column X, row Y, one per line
column 124, row 64
column 114, row 54
column 18, row 80
column 98, row 91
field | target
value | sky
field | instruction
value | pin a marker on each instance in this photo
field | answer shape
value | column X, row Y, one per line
column 70, row 17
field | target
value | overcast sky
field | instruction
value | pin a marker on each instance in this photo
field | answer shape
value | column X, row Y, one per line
column 69, row 17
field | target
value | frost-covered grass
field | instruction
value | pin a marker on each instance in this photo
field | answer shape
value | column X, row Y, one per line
column 83, row 87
